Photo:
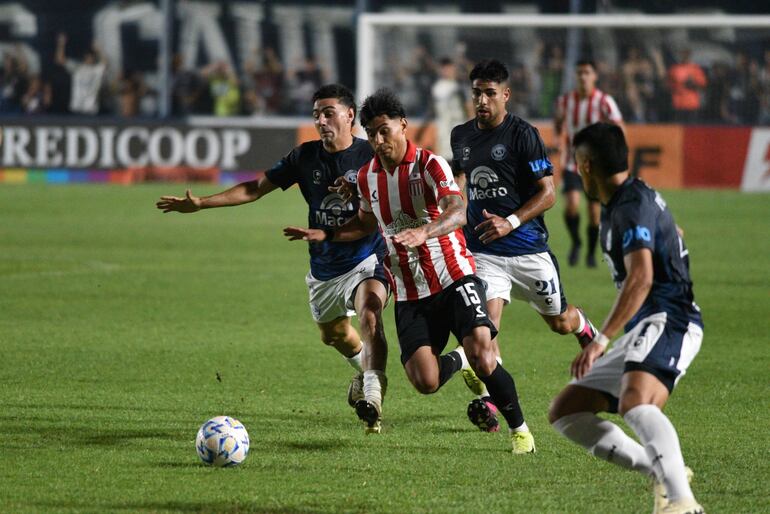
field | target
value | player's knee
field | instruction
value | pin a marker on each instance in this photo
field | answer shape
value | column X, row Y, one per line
column 632, row 397
column 332, row 338
column 369, row 318
column 483, row 362
column 559, row 324
column 423, row 385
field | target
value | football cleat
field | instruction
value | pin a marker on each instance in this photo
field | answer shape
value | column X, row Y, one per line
column 356, row 389
column 523, row 442
column 370, row 414
column 473, row 382
column 591, row 260
column 661, row 498
column 688, row 506
column 483, row 414
column 588, row 333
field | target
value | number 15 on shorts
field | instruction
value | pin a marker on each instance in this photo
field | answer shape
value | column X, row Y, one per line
column 471, row 298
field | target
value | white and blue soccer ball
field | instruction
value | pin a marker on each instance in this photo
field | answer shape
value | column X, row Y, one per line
column 222, row 442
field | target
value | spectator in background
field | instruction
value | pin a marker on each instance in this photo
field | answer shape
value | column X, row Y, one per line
column 130, row 91
column 268, row 81
column 13, row 82
column 305, row 81
column 717, row 108
column 224, row 88
column 37, row 97
column 639, row 84
column 550, row 79
column 59, row 84
column 744, row 90
column 447, row 108
column 521, row 94
column 687, row 81
column 187, row 90
column 87, row 77
column 764, row 91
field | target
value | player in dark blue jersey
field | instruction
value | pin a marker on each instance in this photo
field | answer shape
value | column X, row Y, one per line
column 345, row 278
column 502, row 160
column 663, row 328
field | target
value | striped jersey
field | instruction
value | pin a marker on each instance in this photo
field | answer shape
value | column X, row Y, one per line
column 408, row 197
column 578, row 113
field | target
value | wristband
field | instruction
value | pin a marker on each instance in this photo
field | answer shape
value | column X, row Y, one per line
column 514, row 221
column 329, row 233
column 601, row 340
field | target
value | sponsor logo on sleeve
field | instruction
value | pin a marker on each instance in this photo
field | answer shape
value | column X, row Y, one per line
column 540, row 165
column 638, row 233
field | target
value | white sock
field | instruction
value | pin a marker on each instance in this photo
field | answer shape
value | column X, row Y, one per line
column 582, row 323
column 659, row 438
column 605, row 440
column 375, row 383
column 355, row 361
column 521, row 428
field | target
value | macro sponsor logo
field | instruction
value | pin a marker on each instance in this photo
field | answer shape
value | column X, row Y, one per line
column 331, row 210
column 483, row 184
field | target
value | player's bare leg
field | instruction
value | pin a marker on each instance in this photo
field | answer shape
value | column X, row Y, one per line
column 479, row 349
column 572, row 321
column 427, row 371
column 482, row 411
column 572, row 220
column 340, row 334
column 370, row 299
column 594, row 213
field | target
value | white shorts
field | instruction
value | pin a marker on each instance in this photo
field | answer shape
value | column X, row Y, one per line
column 532, row 278
column 654, row 346
column 334, row 298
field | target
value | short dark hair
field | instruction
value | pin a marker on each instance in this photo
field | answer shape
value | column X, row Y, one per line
column 586, row 62
column 490, row 70
column 338, row 91
column 606, row 146
column 383, row 102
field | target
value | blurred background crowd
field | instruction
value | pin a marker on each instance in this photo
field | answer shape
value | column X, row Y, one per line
column 651, row 83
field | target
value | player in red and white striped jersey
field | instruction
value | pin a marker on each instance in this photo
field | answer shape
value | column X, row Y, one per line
column 576, row 110
column 411, row 196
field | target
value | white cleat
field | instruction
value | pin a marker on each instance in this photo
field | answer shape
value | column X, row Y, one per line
column 688, row 506
column 661, row 498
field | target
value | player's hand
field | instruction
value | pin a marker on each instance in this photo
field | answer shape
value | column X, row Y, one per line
column 345, row 189
column 493, row 228
column 411, row 237
column 189, row 203
column 585, row 359
column 312, row 235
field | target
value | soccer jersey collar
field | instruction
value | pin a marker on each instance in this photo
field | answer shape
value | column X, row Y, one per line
column 409, row 157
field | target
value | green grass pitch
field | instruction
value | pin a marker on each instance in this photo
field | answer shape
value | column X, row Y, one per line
column 116, row 320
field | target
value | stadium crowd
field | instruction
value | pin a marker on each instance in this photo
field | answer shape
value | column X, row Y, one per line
column 649, row 87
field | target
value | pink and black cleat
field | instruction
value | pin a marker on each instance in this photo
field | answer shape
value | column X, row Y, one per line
column 483, row 413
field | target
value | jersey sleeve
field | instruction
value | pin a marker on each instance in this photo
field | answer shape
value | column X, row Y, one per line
column 286, row 172
column 438, row 177
column 635, row 223
column 457, row 152
column 362, row 184
column 532, row 155
column 610, row 110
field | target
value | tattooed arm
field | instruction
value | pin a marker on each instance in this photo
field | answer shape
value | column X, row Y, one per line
column 452, row 218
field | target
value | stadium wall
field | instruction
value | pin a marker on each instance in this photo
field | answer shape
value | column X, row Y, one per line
column 66, row 150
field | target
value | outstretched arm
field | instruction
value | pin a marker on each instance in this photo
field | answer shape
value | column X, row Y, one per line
column 448, row 221
column 244, row 192
column 361, row 225
column 496, row 226
column 630, row 298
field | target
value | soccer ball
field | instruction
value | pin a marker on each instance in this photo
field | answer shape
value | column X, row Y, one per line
column 222, row 441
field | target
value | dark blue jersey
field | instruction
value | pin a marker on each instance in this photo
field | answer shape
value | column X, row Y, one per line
column 314, row 169
column 502, row 166
column 637, row 217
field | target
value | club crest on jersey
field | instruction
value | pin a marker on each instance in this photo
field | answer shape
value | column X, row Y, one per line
column 351, row 176
column 415, row 187
column 498, row 152
column 466, row 153
column 316, row 177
